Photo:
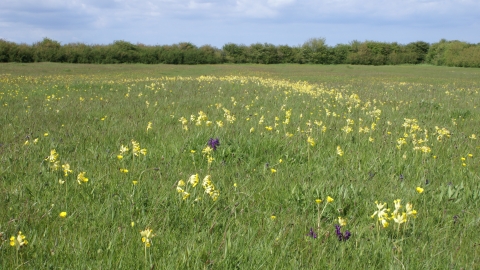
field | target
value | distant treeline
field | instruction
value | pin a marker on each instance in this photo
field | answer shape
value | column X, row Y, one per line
column 313, row 51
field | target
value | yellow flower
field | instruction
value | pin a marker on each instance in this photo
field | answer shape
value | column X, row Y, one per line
column 318, row 201
column 252, row 130
column 146, row 236
column 81, row 178
column 132, row 224
column 120, row 157
column 193, row 180
column 123, row 150
column 135, row 182
column 272, row 217
column 342, row 221
column 384, row 222
column 18, row 241
column 381, row 211
column 419, row 190
column 124, row 170
column 45, row 134
column 273, row 170
column 149, row 126
column 63, row 214
column 329, row 199
column 339, row 151
column 66, row 169
column 311, row 141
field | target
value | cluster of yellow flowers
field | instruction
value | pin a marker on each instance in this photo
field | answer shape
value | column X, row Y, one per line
column 19, row 241
column 136, row 150
column 399, row 217
column 193, row 180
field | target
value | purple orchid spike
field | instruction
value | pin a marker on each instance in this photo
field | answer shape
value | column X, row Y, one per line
column 213, row 143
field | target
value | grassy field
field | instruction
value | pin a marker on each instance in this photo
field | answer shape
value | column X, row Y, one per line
column 239, row 167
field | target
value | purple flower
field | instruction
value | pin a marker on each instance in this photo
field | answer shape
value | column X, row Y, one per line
column 340, row 235
column 312, row 234
column 213, row 143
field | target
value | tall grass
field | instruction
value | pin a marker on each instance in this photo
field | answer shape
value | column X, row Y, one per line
column 278, row 156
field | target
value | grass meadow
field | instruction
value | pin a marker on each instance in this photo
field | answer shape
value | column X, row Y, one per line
column 239, row 167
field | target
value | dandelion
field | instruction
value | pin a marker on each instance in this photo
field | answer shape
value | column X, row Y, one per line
column 273, row 170
column 119, row 157
column 63, row 214
column 124, row 170
column 419, row 190
column 19, row 241
column 318, row 201
column 329, row 199
column 272, row 217
column 135, row 182
column 81, row 178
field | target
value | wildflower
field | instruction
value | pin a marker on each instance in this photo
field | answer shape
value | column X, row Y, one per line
column 381, row 211
column 53, row 156
column 342, row 237
column 342, row 221
column 329, row 199
column 213, row 143
column 63, row 214
column 272, row 217
column 45, row 134
column 312, row 234
column 120, row 157
column 318, row 201
column 473, row 137
column 185, row 195
column 339, row 151
column 384, row 222
column 400, row 218
column 132, row 224
column 193, row 180
column 18, row 241
column 252, row 130
column 273, row 170
column 419, row 190
column 149, row 126
column 123, row 150
column 146, row 237
column 81, row 178
column 410, row 210
column 397, row 207
column 207, row 150
column 66, row 169
column 311, row 141
column 135, row 182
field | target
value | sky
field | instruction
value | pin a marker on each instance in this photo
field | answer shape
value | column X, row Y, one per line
column 217, row 22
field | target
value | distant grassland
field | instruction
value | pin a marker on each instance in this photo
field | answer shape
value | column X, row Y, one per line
column 239, row 166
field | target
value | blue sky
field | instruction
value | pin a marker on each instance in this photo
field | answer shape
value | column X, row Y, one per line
column 216, row 22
